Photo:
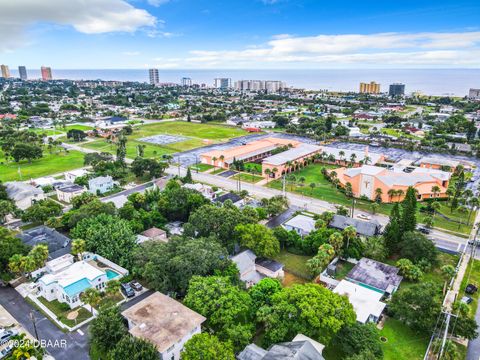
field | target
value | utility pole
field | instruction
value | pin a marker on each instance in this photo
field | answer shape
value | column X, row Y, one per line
column 34, row 322
column 353, row 206
column 283, row 187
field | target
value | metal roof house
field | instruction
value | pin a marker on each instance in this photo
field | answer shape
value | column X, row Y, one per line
column 375, row 276
column 364, row 228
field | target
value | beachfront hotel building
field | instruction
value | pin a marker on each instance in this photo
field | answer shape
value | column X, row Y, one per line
column 46, row 73
column 366, row 179
column 369, row 88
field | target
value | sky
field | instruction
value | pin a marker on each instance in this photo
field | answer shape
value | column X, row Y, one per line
column 240, row 34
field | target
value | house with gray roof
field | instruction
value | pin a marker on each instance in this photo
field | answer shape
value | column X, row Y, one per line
column 24, row 195
column 58, row 244
column 363, row 227
column 301, row 224
column 253, row 269
column 375, row 275
column 300, row 348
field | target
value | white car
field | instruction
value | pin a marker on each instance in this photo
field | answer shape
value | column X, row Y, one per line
column 364, row 216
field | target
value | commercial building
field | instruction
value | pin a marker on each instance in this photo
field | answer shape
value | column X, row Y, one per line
column 396, row 90
column 65, row 280
column 369, row 88
column 223, row 83
column 46, row 73
column 289, row 160
column 474, row 94
column 186, row 81
column 392, row 184
column 22, row 72
column 164, row 322
column 260, row 85
column 153, row 75
column 5, row 71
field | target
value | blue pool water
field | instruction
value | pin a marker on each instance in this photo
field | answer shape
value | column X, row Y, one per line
column 77, row 287
column 111, row 274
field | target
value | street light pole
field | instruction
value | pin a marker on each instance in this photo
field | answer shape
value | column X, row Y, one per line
column 34, row 322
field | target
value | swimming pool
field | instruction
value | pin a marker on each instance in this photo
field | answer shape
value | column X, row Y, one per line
column 111, row 274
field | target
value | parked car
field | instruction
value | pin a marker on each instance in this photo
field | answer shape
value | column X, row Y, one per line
column 136, row 285
column 5, row 335
column 473, row 242
column 424, row 230
column 6, row 351
column 466, row 299
column 364, row 216
column 127, row 290
column 471, row 289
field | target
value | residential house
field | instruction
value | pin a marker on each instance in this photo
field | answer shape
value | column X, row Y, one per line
column 375, row 275
column 101, row 184
column 72, row 175
column 300, row 348
column 58, row 244
column 164, row 322
column 301, row 224
column 155, row 234
column 234, row 198
column 253, row 269
column 24, row 195
column 67, row 192
column 365, row 302
column 65, row 280
column 363, row 227
column 205, row 190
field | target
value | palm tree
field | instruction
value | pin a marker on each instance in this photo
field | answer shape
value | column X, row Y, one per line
column 39, row 254
column 78, row 248
column 353, row 158
column 274, row 171
column 378, row 194
column 435, row 190
column 336, row 240
column 214, row 159
column 112, row 287
column 312, row 186
column 435, row 206
column 391, row 193
column 268, row 172
column 91, row 297
column 349, row 233
column 341, row 155
column 221, row 158
column 400, row 193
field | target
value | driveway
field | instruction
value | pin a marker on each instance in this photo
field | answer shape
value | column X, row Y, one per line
column 62, row 346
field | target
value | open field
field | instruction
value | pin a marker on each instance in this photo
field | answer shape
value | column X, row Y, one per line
column 472, row 276
column 324, row 190
column 247, row 177
column 403, row 343
column 49, row 164
column 295, row 264
column 201, row 167
column 196, row 133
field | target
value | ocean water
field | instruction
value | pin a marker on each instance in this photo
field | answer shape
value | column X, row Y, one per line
column 455, row 82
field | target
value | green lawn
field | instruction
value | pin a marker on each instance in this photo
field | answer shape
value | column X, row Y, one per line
column 194, row 132
column 257, row 167
column 57, row 308
column 247, row 177
column 49, row 164
column 324, row 190
column 472, row 276
column 402, row 343
column 218, row 171
column 295, row 264
column 48, row 132
column 201, row 167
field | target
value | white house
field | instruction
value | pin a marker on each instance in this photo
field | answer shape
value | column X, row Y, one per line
column 165, row 322
column 68, row 192
column 253, row 269
column 301, row 224
column 101, row 184
column 73, row 174
column 365, row 302
column 65, row 280
column 205, row 190
column 24, row 195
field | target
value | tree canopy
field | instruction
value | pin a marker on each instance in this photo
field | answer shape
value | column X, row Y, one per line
column 207, row 347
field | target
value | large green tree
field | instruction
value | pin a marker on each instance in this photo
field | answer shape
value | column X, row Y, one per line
column 357, row 338
column 9, row 246
column 392, row 232
column 207, row 347
column 41, row 210
column 262, row 292
column 308, row 309
column 133, row 348
column 168, row 267
column 107, row 329
column 409, row 211
column 417, row 247
column 107, row 236
column 228, row 309
column 258, row 238
column 418, row 306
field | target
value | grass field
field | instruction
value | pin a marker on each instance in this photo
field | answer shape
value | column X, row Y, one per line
column 201, row 167
column 324, row 190
column 247, row 177
column 472, row 276
column 402, row 343
column 48, row 165
column 195, row 133
column 56, row 307
column 296, row 264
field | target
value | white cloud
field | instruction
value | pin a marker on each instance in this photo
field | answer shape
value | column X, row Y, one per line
column 157, row 3
column 382, row 49
column 85, row 16
column 131, row 53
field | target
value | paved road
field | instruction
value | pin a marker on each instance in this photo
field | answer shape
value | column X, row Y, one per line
column 129, row 191
column 443, row 240
column 76, row 344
